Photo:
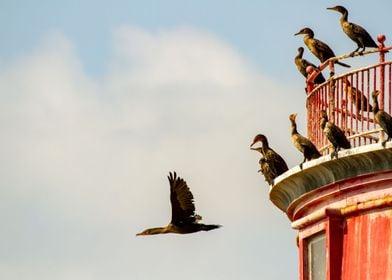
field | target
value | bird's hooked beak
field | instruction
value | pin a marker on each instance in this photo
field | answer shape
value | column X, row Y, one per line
column 299, row 33
column 332, row 8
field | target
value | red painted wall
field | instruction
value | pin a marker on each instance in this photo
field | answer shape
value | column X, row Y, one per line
column 367, row 246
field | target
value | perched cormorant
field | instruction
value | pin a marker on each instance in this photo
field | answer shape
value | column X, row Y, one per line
column 265, row 168
column 382, row 118
column 274, row 160
column 355, row 32
column 184, row 220
column 334, row 134
column 303, row 144
column 357, row 97
column 302, row 64
column 321, row 50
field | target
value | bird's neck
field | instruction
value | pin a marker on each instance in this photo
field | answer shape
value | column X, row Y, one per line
column 293, row 128
column 323, row 123
column 157, row 230
column 376, row 108
column 344, row 17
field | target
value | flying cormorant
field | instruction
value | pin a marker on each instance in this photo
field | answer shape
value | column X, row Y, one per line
column 274, row 160
column 320, row 49
column 184, row 220
column 382, row 118
column 303, row 144
column 355, row 32
column 334, row 134
column 302, row 64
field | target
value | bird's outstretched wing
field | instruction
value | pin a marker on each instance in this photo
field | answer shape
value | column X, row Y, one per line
column 181, row 198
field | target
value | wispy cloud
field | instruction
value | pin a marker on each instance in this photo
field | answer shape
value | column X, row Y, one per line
column 84, row 159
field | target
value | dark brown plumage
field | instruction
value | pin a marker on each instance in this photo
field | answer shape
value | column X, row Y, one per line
column 357, row 97
column 184, row 220
column 382, row 118
column 355, row 32
column 303, row 144
column 302, row 64
column 274, row 160
column 265, row 168
column 320, row 49
column 334, row 134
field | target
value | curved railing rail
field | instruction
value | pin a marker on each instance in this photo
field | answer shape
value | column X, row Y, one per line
column 338, row 94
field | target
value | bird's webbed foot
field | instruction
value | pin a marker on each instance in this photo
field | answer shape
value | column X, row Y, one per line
column 385, row 141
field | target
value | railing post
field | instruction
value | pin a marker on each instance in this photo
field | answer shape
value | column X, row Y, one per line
column 381, row 40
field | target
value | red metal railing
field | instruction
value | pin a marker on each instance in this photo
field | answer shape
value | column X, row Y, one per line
column 337, row 97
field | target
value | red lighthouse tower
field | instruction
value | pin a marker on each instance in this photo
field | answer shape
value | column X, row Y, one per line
column 342, row 208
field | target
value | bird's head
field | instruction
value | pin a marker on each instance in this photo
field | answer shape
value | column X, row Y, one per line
column 305, row 31
column 292, row 117
column 339, row 9
column 260, row 138
column 346, row 81
column 375, row 93
column 300, row 50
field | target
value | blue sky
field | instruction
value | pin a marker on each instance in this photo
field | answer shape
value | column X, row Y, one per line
column 101, row 99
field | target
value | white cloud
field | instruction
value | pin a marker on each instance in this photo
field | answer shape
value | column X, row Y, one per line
column 83, row 160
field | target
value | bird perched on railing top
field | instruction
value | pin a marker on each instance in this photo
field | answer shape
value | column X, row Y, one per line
column 302, row 64
column 355, row 32
column 334, row 134
column 303, row 144
column 184, row 220
column 382, row 118
column 356, row 97
column 274, row 160
column 320, row 49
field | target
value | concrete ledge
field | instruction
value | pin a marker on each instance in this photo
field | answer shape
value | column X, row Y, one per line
column 323, row 171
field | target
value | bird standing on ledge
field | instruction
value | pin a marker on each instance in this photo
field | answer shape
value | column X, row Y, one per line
column 184, row 220
column 320, row 49
column 303, row 144
column 275, row 161
column 302, row 64
column 334, row 134
column 382, row 118
column 355, row 32
column 265, row 168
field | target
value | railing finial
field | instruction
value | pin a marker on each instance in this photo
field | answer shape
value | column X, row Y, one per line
column 381, row 39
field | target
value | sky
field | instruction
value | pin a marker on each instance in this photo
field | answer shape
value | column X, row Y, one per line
column 100, row 100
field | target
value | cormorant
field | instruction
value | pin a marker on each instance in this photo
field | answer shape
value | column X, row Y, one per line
column 265, row 168
column 357, row 97
column 184, row 220
column 320, row 49
column 382, row 118
column 274, row 160
column 334, row 134
column 355, row 32
column 303, row 144
column 302, row 64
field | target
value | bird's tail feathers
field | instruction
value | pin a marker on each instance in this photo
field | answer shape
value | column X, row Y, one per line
column 342, row 64
column 210, row 227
